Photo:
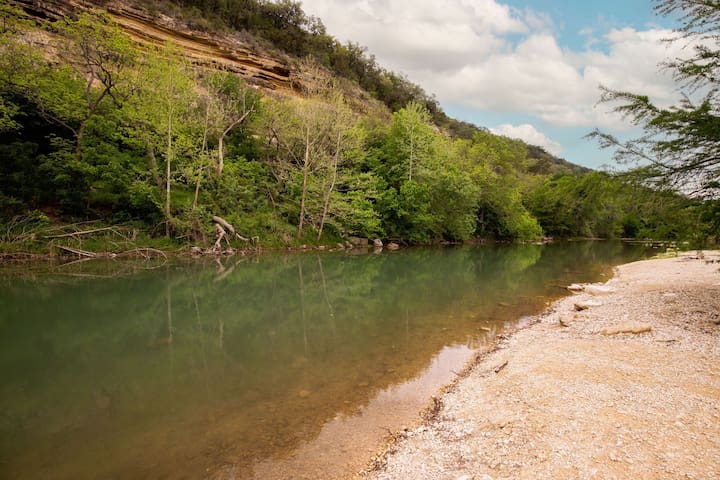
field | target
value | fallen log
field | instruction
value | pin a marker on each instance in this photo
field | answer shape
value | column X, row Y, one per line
column 228, row 227
column 77, row 251
column 84, row 232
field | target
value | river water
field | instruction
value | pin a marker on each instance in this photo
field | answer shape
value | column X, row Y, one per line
column 278, row 366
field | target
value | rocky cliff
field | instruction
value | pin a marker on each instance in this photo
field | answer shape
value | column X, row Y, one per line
column 217, row 50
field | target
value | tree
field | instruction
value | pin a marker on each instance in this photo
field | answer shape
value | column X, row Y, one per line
column 680, row 144
column 160, row 115
column 230, row 103
column 99, row 52
column 412, row 133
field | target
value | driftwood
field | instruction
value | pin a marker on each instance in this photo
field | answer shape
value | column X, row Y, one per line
column 499, row 368
column 144, row 252
column 85, row 232
column 220, row 234
column 77, row 251
column 227, row 226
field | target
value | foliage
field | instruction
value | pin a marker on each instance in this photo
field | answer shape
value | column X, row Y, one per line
column 144, row 138
column 679, row 145
column 600, row 205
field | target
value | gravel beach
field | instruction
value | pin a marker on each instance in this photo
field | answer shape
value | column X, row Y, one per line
column 618, row 381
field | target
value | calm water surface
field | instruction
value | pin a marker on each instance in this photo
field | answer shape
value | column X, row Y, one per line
column 273, row 367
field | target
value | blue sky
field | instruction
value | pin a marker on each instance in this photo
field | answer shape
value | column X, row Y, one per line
column 525, row 69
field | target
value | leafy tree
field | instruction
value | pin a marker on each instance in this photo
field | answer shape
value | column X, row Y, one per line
column 99, row 53
column 412, row 137
column 161, row 114
column 230, row 103
column 680, row 144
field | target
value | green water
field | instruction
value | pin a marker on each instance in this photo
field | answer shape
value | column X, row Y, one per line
column 225, row 369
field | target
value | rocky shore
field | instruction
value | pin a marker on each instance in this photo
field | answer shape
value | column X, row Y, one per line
column 617, row 381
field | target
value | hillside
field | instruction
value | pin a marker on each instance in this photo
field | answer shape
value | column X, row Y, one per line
column 256, row 59
column 165, row 114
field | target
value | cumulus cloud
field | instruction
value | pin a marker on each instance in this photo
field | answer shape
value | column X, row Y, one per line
column 529, row 134
column 412, row 36
column 486, row 55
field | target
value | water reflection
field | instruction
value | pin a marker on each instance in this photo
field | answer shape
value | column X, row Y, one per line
column 239, row 368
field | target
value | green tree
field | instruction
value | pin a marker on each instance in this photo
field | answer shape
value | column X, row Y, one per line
column 680, row 144
column 161, row 116
column 411, row 136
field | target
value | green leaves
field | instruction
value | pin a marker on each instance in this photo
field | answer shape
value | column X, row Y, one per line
column 681, row 142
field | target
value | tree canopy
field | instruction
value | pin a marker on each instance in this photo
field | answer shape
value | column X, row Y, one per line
column 138, row 135
column 680, row 144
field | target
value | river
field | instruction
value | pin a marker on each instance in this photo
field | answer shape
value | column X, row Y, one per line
column 272, row 367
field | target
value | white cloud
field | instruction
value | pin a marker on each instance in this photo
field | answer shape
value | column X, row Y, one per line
column 410, row 36
column 486, row 55
column 529, row 134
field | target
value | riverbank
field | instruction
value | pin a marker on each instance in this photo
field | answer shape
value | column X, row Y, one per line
column 575, row 396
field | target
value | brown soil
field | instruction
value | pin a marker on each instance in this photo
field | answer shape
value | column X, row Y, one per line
column 580, row 399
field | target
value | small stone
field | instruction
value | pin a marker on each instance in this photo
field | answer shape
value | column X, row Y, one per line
column 304, row 393
column 566, row 319
column 575, row 287
column 377, row 243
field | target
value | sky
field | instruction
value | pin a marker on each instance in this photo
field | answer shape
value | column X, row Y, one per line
column 528, row 69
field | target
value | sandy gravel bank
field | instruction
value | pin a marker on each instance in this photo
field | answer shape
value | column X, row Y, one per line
column 571, row 398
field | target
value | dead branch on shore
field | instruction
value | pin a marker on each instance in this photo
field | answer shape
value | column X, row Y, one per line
column 84, row 232
column 499, row 368
column 79, row 252
column 225, row 225
column 224, row 231
column 144, row 252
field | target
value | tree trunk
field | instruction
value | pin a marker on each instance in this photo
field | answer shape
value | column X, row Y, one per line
column 306, row 168
column 326, row 205
column 203, row 149
column 168, row 160
column 154, row 171
column 412, row 152
column 221, row 155
column 221, row 140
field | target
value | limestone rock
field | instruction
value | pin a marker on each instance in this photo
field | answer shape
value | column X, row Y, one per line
column 580, row 306
column 358, row 241
column 598, row 289
column 634, row 328
column 393, row 246
column 377, row 243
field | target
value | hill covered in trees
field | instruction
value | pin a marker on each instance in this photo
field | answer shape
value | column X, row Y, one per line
column 160, row 115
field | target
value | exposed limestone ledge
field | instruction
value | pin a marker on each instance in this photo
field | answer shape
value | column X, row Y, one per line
column 215, row 51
